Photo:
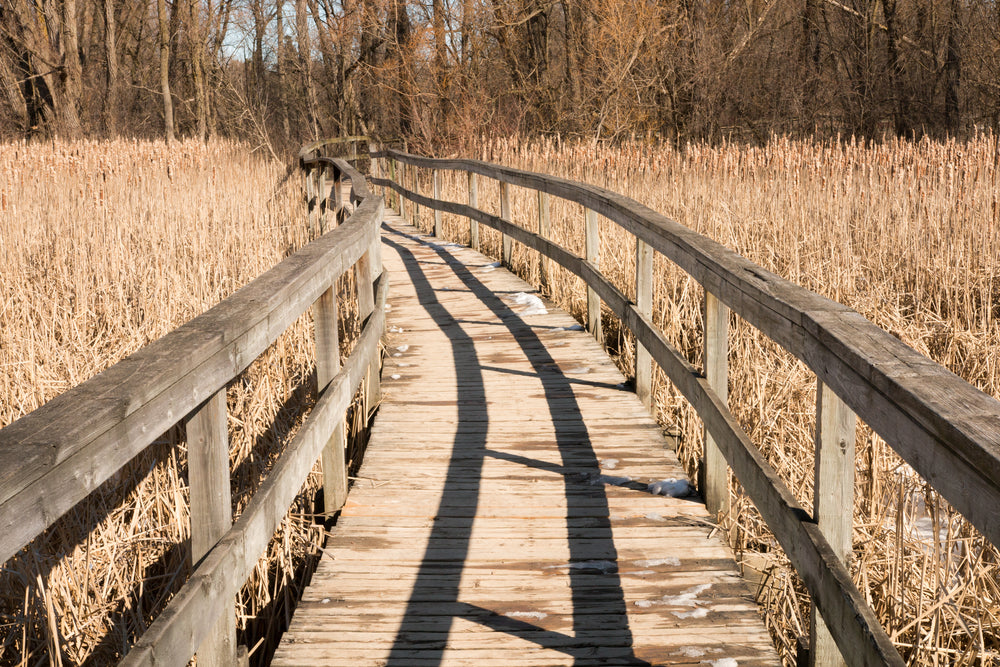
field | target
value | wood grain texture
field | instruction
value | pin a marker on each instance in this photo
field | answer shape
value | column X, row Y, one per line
column 502, row 515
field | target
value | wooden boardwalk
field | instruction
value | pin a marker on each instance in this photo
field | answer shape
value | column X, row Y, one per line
column 503, row 514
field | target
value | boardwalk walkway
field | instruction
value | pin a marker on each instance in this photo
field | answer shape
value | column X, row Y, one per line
column 502, row 515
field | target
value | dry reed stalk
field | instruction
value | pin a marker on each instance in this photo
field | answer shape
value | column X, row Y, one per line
column 905, row 233
column 106, row 246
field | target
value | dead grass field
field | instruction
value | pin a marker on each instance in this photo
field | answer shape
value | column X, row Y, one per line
column 105, row 247
column 905, row 233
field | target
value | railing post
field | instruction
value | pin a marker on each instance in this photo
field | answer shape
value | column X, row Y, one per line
column 437, row 212
column 327, row 335
column 338, row 196
column 322, row 202
column 544, row 229
column 309, row 200
column 368, row 268
column 716, row 490
column 211, row 509
column 833, row 501
column 593, row 250
column 505, row 214
column 644, row 303
column 400, row 200
column 415, row 188
column 473, row 203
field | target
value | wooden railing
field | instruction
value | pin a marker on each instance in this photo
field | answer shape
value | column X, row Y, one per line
column 51, row 459
column 946, row 429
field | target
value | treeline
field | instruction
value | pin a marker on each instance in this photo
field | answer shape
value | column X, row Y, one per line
column 436, row 71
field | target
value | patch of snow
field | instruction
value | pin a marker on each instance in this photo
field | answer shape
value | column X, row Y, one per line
column 532, row 304
column 527, row 614
column 643, row 603
column 654, row 562
column 640, row 573
column 403, row 364
column 578, row 370
column 655, row 517
column 610, row 479
column 397, row 354
column 675, row 488
column 326, row 600
column 691, row 652
column 572, row 327
column 403, row 348
column 395, row 376
column 722, row 662
column 609, row 464
column 388, row 307
column 688, row 597
column 395, row 329
column 605, row 566
column 698, row 612
column 490, row 267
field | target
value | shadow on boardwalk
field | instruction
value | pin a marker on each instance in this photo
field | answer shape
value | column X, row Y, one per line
column 599, row 611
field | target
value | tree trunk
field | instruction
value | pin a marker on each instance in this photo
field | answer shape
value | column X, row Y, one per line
column 71, row 76
column 305, row 61
column 440, row 60
column 196, row 51
column 279, row 70
column 112, row 95
column 168, row 103
column 953, row 72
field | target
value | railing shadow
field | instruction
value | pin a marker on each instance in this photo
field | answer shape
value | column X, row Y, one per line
column 596, row 593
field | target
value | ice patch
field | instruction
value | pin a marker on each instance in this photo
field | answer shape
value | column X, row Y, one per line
column 699, row 612
column 675, row 488
column 655, row 517
column 397, row 354
column 527, row 614
column 403, row 364
column 395, row 329
column 572, row 327
column 691, row 651
column 687, row 598
column 643, row 603
column 532, row 304
column 490, row 267
column 326, row 600
column 722, row 662
column 403, row 348
column 609, row 464
column 610, row 479
column 395, row 376
column 669, row 560
column 605, row 566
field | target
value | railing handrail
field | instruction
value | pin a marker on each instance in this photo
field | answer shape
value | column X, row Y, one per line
column 52, row 458
column 946, row 429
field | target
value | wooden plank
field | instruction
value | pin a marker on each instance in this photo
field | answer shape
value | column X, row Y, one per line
column 211, row 509
column 473, row 203
column 644, row 303
column 833, row 502
column 717, row 374
column 593, row 252
column 327, row 335
column 506, row 247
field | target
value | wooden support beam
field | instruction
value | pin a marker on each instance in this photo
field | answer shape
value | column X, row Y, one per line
column 397, row 201
column 833, row 502
column 415, row 188
column 644, row 302
column 544, row 230
column 437, row 212
column 473, row 203
column 505, row 214
column 326, row 331
column 593, row 250
column 716, row 483
column 211, row 509
column 322, row 203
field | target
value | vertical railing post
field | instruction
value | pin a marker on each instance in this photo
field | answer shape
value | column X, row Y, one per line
column 544, row 230
column 327, row 336
column 716, row 490
column 367, row 269
column 211, row 509
column 415, row 189
column 505, row 243
column 833, row 501
column 400, row 200
column 322, row 203
column 309, row 200
column 473, row 203
column 644, row 303
column 338, row 196
column 437, row 212
column 592, row 244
